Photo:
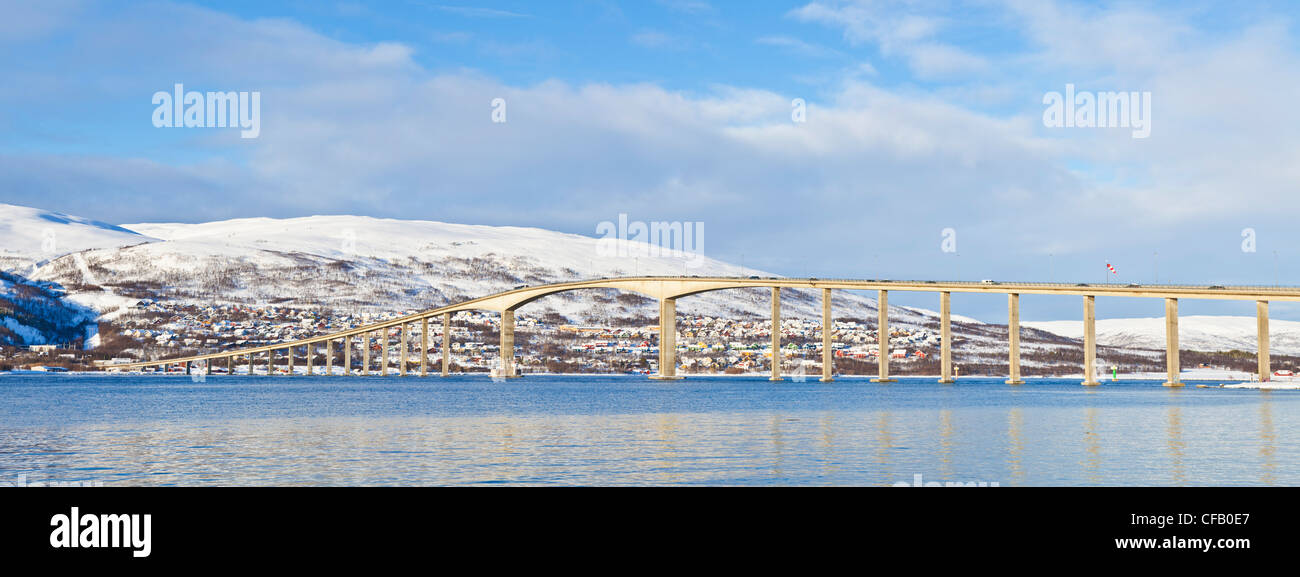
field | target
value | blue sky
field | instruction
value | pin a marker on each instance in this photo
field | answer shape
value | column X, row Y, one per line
column 922, row 116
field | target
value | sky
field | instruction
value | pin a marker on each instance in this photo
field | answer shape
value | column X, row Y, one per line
column 923, row 150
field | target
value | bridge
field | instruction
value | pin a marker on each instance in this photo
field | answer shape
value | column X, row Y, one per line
column 666, row 290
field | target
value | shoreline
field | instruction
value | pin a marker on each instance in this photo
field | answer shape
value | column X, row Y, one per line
column 1239, row 378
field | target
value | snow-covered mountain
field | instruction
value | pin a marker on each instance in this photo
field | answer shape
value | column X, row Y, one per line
column 34, row 312
column 370, row 264
column 362, row 264
column 1201, row 333
column 30, row 237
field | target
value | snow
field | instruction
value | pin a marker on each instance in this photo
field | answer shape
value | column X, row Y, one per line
column 372, row 264
column 31, row 235
column 1269, row 386
column 1195, row 332
column 26, row 334
column 407, row 264
column 935, row 314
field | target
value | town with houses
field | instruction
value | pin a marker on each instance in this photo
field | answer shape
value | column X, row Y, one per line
column 706, row 345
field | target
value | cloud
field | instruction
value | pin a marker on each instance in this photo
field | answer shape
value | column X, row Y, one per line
column 898, row 29
column 863, row 188
column 659, row 40
column 798, row 46
column 695, row 7
column 480, row 12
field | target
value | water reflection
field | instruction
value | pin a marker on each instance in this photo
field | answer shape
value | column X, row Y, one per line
column 665, row 461
column 1176, row 445
column 1016, row 449
column 778, row 447
column 830, row 460
column 624, row 432
column 884, row 445
column 1267, row 440
column 1091, row 446
column 945, row 443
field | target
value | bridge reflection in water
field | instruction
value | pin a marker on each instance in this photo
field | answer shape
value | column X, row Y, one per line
column 668, row 289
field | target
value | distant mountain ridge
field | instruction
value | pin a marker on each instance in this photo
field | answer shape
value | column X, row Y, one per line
column 356, row 263
column 370, row 264
column 1195, row 332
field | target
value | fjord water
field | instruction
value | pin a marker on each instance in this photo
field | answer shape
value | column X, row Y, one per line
column 627, row 430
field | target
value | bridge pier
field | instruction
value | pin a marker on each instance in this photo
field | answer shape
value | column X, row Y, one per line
column 882, row 338
column 406, row 348
column 289, row 351
column 508, row 344
column 424, row 347
column 446, row 344
column 347, row 356
column 250, row 364
column 828, row 329
column 365, row 355
column 1013, row 339
column 311, row 357
column 776, row 334
column 384, row 337
column 1090, row 341
column 667, row 341
column 1261, row 332
column 1171, row 343
column 945, row 333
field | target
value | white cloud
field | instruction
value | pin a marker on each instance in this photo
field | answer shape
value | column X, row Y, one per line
column 898, row 29
column 878, row 168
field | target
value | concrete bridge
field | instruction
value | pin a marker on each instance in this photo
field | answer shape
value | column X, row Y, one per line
column 668, row 289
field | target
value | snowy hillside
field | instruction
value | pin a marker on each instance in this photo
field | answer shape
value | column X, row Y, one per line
column 362, row 263
column 1202, row 333
column 30, row 236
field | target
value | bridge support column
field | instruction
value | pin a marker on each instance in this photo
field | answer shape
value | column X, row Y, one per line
column 230, row 365
column 290, row 354
column 406, row 347
column 1013, row 339
column 882, row 338
column 365, row 355
column 776, row 334
column 424, row 347
column 828, row 330
column 347, row 356
column 1090, row 341
column 945, row 333
column 311, row 357
column 1261, row 328
column 250, row 364
column 446, row 344
column 329, row 358
column 667, row 341
column 1172, row 366
column 383, row 351
column 508, row 344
